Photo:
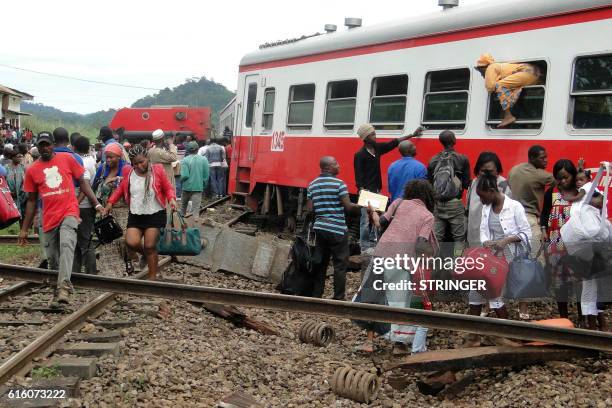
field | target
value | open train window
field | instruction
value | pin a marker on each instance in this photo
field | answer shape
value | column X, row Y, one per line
column 268, row 109
column 529, row 108
column 301, row 106
column 388, row 102
column 250, row 108
column 591, row 95
column 446, row 99
column 340, row 105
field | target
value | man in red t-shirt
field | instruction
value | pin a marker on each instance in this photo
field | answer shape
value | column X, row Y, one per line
column 52, row 179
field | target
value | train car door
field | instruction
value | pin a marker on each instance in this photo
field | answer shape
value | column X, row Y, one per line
column 250, row 105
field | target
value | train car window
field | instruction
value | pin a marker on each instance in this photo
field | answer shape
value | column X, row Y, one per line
column 591, row 96
column 388, row 102
column 250, row 108
column 529, row 108
column 340, row 105
column 268, row 108
column 301, row 106
column 446, row 99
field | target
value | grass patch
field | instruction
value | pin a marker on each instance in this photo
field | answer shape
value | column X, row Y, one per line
column 46, row 372
column 37, row 125
column 12, row 253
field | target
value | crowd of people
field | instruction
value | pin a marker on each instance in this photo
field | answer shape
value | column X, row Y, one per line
column 61, row 184
column 525, row 210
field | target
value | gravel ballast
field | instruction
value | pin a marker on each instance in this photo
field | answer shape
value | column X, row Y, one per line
column 194, row 359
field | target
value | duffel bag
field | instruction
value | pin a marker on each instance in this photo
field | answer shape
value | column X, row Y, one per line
column 181, row 241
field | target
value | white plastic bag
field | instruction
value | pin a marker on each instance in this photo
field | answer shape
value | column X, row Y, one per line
column 587, row 224
column 401, row 333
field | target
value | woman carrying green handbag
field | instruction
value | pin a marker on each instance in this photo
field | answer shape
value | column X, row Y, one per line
column 147, row 191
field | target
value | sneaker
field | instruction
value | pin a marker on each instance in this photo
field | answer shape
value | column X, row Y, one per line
column 54, row 302
column 367, row 347
column 63, row 293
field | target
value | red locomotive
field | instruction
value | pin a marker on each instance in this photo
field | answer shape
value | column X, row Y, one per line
column 135, row 124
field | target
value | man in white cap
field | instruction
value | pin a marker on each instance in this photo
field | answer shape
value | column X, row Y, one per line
column 367, row 172
column 163, row 153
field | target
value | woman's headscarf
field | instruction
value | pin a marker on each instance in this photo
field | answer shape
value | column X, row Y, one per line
column 114, row 148
column 485, row 60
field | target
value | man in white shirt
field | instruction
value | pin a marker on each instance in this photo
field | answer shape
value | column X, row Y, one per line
column 84, row 253
column 202, row 150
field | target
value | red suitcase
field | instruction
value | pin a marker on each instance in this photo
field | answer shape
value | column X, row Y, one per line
column 494, row 270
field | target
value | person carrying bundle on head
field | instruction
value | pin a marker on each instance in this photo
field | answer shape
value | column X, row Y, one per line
column 507, row 81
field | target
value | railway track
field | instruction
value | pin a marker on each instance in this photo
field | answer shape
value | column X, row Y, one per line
column 358, row 311
column 274, row 302
column 16, row 290
column 44, row 344
column 12, row 239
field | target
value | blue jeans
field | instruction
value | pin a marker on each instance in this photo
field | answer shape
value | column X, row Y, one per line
column 217, row 180
column 367, row 233
column 177, row 182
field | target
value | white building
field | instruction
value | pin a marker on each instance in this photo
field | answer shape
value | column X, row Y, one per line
column 11, row 105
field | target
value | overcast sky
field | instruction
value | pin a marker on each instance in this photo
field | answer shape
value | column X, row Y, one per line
column 158, row 44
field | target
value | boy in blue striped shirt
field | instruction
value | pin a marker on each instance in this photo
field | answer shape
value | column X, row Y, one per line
column 328, row 198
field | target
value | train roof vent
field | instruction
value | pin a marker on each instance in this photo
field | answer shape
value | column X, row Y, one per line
column 448, row 4
column 352, row 22
column 330, row 28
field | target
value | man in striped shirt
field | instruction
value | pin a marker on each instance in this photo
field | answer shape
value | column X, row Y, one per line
column 328, row 198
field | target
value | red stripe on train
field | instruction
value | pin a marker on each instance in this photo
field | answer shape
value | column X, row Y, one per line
column 557, row 20
column 298, row 163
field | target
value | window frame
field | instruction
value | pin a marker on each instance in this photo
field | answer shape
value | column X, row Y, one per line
column 246, row 111
column 301, row 126
column 330, row 126
column 426, row 93
column 492, row 124
column 373, row 96
column 572, row 101
column 264, row 112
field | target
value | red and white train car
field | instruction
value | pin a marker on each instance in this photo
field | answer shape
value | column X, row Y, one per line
column 299, row 101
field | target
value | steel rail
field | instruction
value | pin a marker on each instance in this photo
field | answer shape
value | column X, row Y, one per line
column 42, row 345
column 360, row 311
column 12, row 239
column 236, row 219
column 214, row 203
column 16, row 290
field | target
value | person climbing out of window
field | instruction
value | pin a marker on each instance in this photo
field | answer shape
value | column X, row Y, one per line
column 507, row 81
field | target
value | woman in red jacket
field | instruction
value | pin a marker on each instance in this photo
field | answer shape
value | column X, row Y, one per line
column 147, row 191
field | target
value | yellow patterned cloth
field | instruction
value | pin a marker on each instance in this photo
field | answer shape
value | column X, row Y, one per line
column 508, row 80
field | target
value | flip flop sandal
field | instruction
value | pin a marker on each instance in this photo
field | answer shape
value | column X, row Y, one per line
column 366, row 347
